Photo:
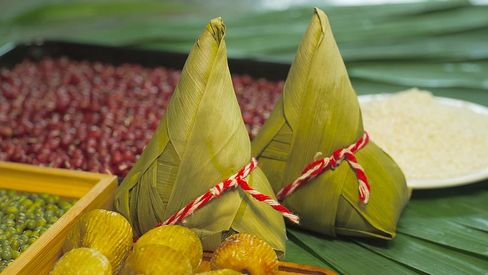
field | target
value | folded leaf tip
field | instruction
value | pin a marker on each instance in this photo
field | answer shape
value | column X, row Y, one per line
column 322, row 17
column 216, row 27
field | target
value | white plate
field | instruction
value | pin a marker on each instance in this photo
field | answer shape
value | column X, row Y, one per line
column 447, row 182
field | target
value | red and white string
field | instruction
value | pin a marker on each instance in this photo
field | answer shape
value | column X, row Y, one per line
column 317, row 167
column 234, row 181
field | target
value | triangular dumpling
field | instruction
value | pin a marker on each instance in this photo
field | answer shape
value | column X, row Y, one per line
column 200, row 141
column 319, row 112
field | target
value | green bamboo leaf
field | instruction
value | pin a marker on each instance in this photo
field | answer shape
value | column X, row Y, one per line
column 263, row 35
column 132, row 31
column 348, row 257
column 279, row 47
column 263, row 16
column 108, row 29
column 382, row 27
column 297, row 253
column 13, row 8
column 364, row 33
column 469, row 45
column 441, row 231
column 477, row 223
column 448, row 233
column 424, row 25
column 429, row 257
column 451, row 202
column 431, row 75
column 200, row 141
column 319, row 112
column 360, row 37
column 75, row 11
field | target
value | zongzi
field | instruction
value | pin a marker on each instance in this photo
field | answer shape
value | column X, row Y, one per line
column 201, row 141
column 317, row 124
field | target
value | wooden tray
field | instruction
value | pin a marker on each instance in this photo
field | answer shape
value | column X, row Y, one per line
column 285, row 268
column 92, row 191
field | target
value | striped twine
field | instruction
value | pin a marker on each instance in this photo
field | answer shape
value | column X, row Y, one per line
column 317, row 167
column 234, row 181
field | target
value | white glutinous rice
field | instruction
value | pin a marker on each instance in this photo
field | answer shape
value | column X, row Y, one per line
column 428, row 138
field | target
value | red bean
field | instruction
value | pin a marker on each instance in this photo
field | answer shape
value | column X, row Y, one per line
column 95, row 116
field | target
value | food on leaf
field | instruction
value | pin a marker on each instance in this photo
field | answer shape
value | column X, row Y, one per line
column 200, row 141
column 317, row 115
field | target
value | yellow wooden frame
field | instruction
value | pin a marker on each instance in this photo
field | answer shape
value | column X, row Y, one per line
column 91, row 189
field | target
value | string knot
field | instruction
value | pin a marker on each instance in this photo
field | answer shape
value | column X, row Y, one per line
column 336, row 159
column 236, row 180
column 319, row 166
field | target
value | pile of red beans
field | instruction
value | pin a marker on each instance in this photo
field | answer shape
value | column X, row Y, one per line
column 98, row 117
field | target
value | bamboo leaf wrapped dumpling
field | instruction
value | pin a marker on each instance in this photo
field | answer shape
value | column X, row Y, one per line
column 200, row 141
column 318, row 114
